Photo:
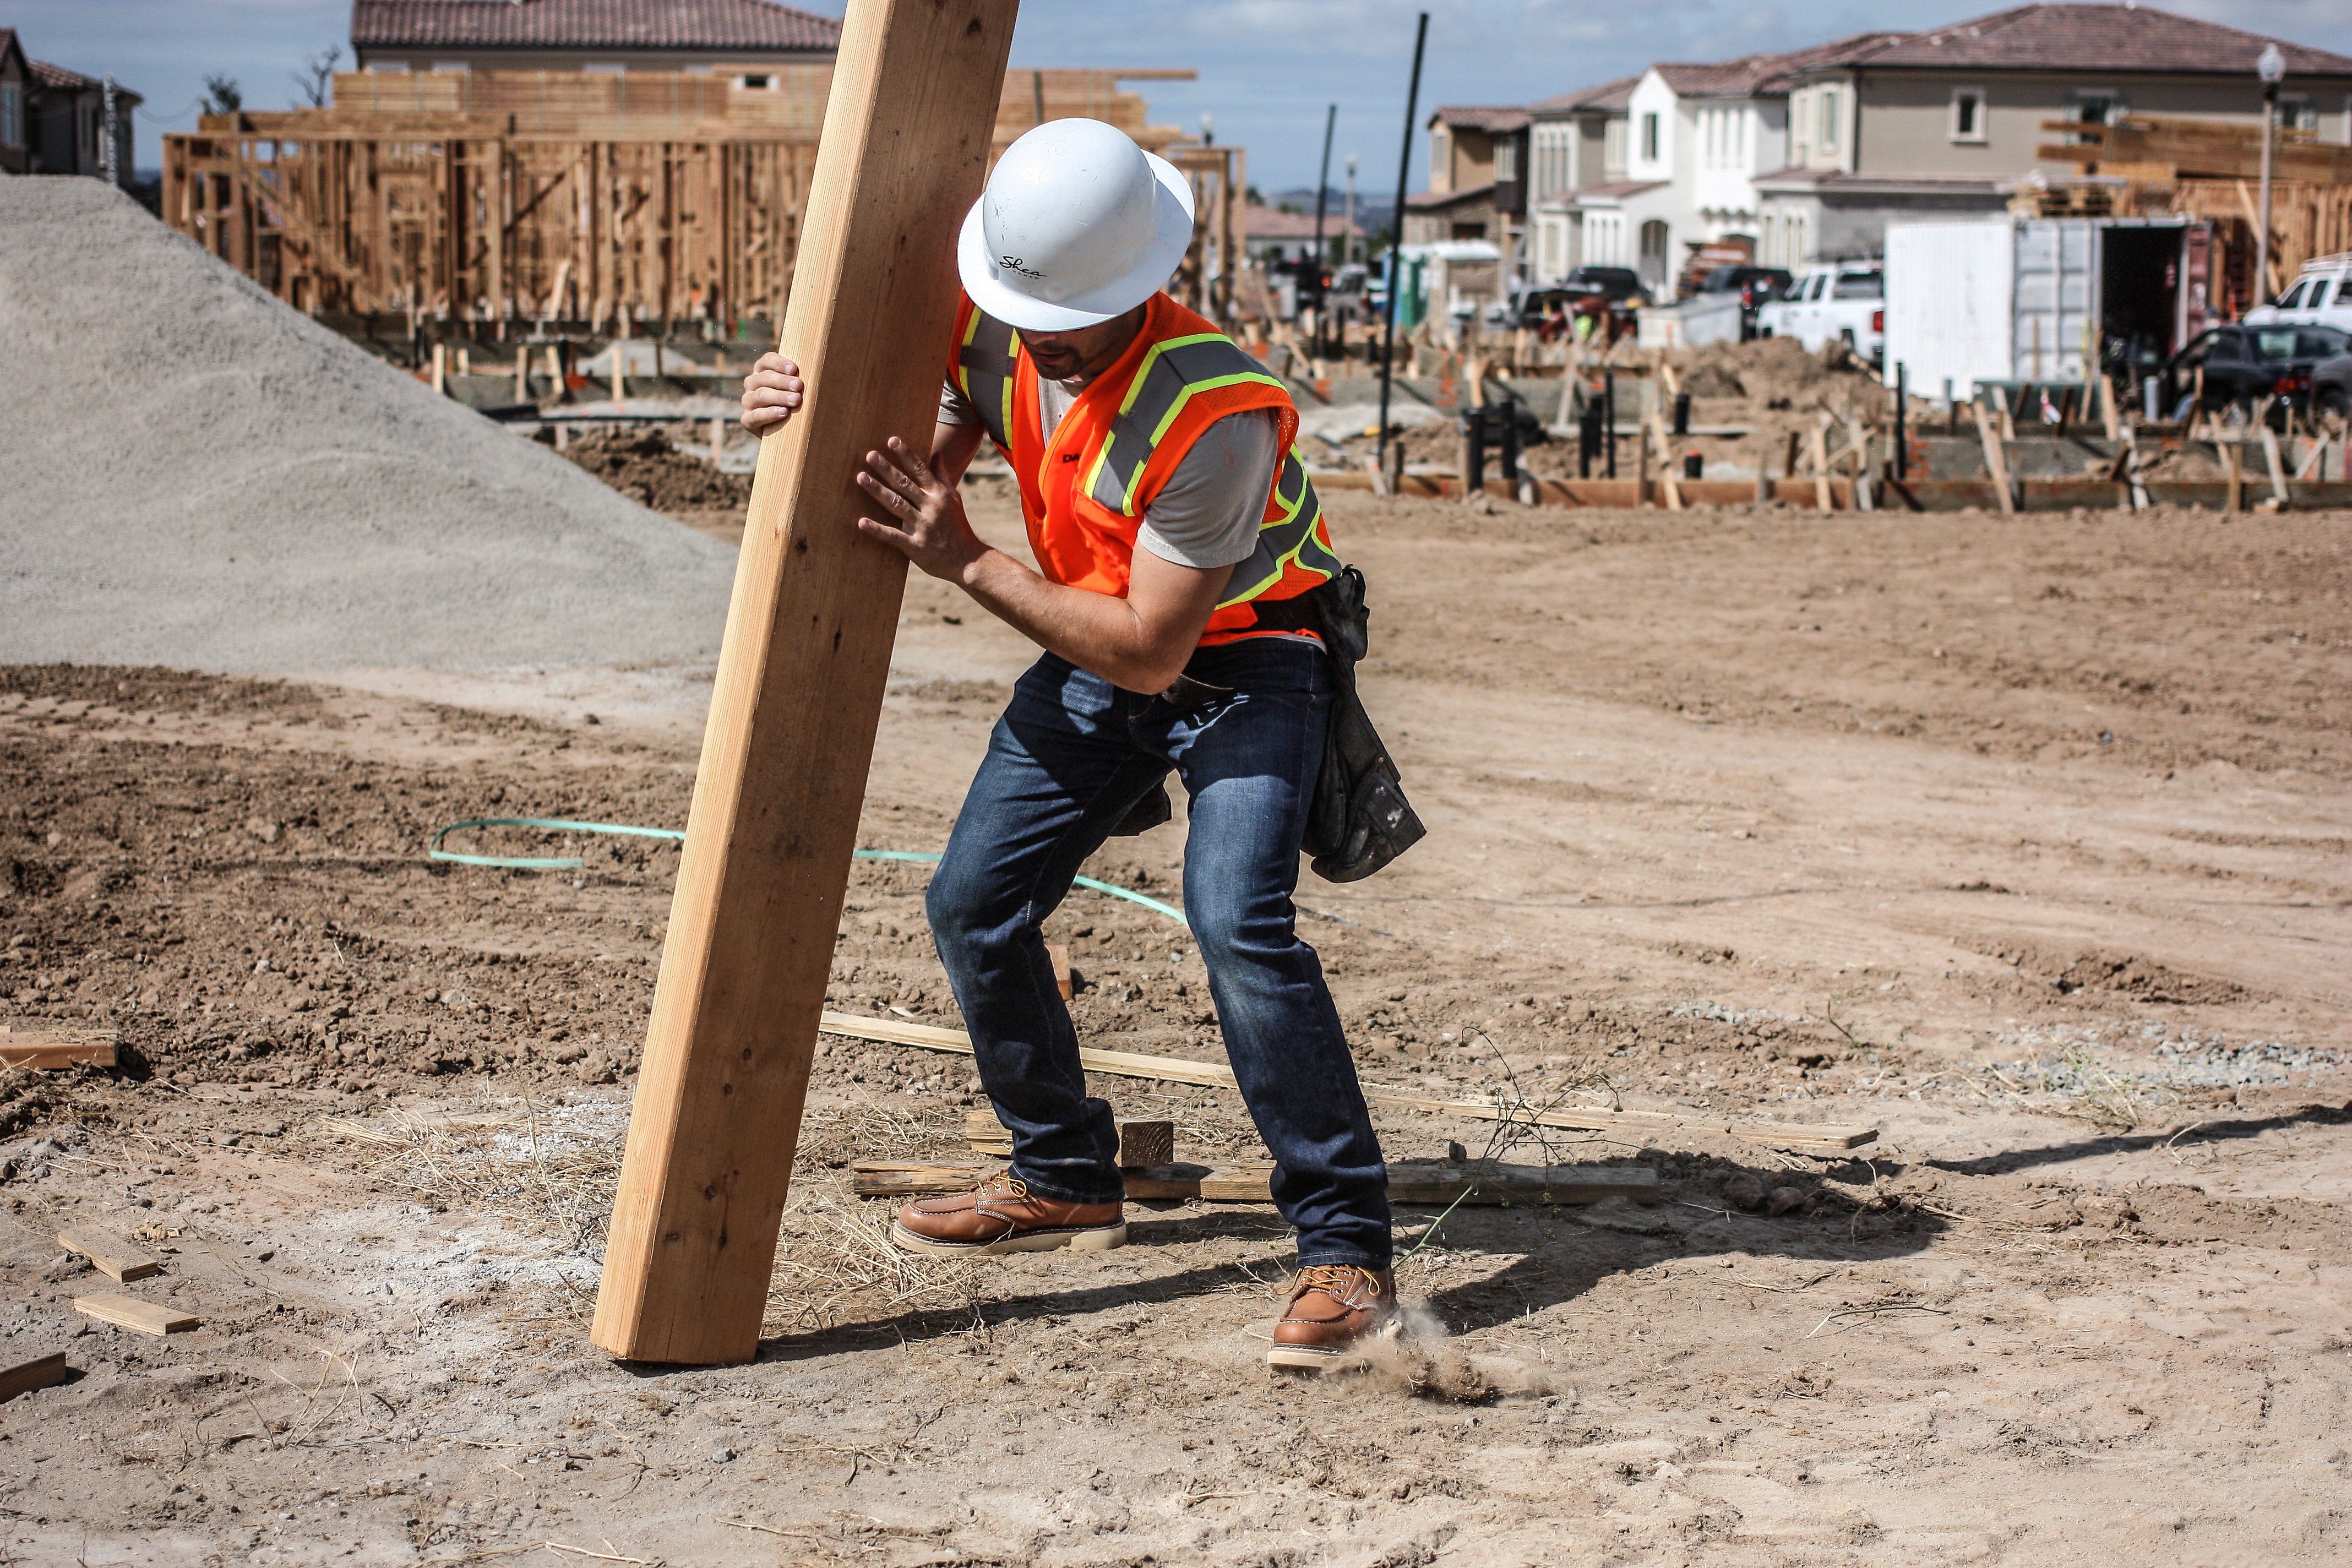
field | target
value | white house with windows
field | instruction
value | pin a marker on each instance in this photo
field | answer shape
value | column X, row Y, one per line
column 1897, row 127
column 1577, row 181
column 1679, row 164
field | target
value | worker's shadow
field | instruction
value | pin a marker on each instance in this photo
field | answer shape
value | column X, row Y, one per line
column 1558, row 1255
column 2215, row 1132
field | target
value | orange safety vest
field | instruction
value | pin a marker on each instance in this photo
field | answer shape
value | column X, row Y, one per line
column 1086, row 486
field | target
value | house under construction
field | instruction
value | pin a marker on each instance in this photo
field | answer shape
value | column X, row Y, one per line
column 637, row 197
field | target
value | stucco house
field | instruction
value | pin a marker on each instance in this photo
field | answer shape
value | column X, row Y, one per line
column 742, row 39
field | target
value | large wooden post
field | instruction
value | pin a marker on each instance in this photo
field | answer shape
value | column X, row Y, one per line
column 801, row 675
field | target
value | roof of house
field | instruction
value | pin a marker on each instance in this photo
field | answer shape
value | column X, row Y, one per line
column 1494, row 120
column 1431, row 201
column 2083, row 37
column 1608, row 95
column 1613, row 194
column 56, row 78
column 1754, row 74
column 1261, row 222
column 8, row 43
column 589, row 24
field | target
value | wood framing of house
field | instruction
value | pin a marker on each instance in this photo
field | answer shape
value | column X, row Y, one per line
column 577, row 196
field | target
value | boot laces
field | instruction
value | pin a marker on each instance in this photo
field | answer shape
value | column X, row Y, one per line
column 1005, row 1182
column 1336, row 1280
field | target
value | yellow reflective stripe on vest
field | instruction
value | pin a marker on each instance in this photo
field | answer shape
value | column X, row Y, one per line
column 1173, row 371
column 985, row 364
column 1295, row 535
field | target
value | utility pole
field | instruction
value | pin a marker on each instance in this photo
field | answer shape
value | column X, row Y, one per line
column 1322, row 190
column 1396, row 239
column 110, row 163
column 2272, row 69
column 1348, row 234
column 799, row 691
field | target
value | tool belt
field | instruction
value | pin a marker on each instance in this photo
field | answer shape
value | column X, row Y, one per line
column 1359, row 819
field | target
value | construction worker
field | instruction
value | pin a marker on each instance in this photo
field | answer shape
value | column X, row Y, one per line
column 1178, row 543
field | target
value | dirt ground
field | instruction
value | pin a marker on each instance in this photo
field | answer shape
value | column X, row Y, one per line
column 2022, row 840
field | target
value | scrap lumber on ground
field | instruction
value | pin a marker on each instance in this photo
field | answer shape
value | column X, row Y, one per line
column 41, row 1371
column 798, row 695
column 1415, row 1182
column 144, row 1317
column 1795, row 1137
column 120, row 1260
column 56, row 1048
column 1141, row 1144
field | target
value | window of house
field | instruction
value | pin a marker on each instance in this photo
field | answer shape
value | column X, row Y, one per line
column 1650, row 138
column 1613, row 148
column 1828, row 127
column 756, row 81
column 1441, row 153
column 1507, row 160
column 607, row 67
column 2297, row 114
column 1552, row 147
column 2096, row 108
column 11, row 115
column 450, row 68
column 1968, row 114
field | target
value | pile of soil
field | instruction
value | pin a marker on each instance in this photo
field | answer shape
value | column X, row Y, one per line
column 644, row 466
column 208, row 478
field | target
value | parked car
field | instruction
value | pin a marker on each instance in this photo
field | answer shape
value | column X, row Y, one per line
column 1824, row 304
column 2320, row 297
column 2331, row 388
column 2246, row 364
column 1614, row 285
column 1754, row 285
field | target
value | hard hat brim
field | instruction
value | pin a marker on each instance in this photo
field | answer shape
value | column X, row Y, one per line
column 1027, row 313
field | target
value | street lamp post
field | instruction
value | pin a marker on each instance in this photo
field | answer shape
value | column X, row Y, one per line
column 2271, row 68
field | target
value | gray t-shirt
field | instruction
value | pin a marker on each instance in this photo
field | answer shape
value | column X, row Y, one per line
column 1208, row 513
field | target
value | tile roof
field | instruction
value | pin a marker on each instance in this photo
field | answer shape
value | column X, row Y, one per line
column 1754, row 74
column 57, row 76
column 1494, row 120
column 1608, row 95
column 1261, row 222
column 2078, row 37
column 589, row 24
column 1430, row 201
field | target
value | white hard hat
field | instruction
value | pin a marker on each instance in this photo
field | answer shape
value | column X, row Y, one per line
column 1077, row 225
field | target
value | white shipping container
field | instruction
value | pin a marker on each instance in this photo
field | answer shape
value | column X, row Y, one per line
column 1950, row 292
column 2009, row 299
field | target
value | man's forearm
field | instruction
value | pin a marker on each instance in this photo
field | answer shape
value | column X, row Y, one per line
column 1093, row 631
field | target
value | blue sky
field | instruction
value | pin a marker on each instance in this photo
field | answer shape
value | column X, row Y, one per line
column 1268, row 67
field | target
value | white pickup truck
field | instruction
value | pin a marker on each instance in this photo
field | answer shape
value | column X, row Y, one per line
column 1824, row 304
column 2321, row 297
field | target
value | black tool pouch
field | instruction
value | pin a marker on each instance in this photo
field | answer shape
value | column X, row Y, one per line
column 1359, row 819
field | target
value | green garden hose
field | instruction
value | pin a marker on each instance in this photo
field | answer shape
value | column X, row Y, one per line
column 433, row 850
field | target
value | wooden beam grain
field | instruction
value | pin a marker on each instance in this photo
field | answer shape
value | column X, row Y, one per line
column 41, row 1371
column 799, row 689
column 142, row 1317
column 120, row 1260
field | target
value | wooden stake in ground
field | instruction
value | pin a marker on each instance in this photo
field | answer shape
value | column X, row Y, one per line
column 1996, row 460
column 799, row 691
column 1819, row 452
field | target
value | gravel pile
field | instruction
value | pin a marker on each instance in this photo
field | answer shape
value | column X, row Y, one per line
column 192, row 474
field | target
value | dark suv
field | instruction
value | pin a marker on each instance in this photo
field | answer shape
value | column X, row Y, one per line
column 2246, row 364
column 1614, row 285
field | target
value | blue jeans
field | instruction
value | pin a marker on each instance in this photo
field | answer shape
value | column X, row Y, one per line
column 1072, row 754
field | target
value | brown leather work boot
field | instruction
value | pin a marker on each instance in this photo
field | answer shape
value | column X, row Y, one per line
column 1334, row 1308
column 1000, row 1216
